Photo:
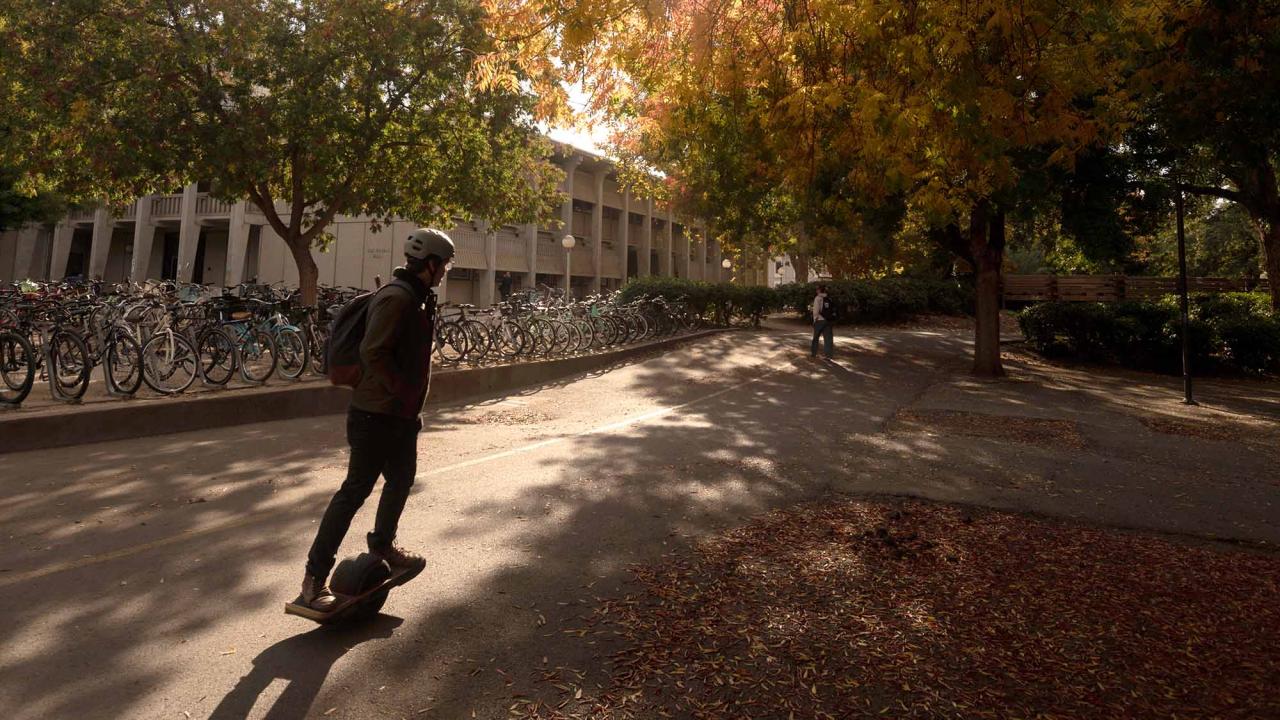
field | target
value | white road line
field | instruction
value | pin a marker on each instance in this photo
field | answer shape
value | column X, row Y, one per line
column 7, row 579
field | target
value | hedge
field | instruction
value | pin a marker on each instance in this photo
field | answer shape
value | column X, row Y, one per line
column 884, row 300
column 1231, row 331
column 721, row 302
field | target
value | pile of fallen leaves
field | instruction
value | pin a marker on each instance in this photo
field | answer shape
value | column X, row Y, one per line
column 909, row 609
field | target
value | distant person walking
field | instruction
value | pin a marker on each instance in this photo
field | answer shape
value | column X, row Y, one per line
column 504, row 285
column 824, row 318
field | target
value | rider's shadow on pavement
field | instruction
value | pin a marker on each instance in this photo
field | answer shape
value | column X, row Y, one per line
column 302, row 661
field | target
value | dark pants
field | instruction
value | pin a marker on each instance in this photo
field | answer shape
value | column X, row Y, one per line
column 380, row 445
column 823, row 328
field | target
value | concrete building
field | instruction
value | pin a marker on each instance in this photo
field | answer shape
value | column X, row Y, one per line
column 192, row 237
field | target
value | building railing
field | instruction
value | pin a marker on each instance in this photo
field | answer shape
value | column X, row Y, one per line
column 166, row 207
column 1108, row 288
column 209, row 205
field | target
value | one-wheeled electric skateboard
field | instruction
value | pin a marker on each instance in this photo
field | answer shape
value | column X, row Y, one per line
column 361, row 584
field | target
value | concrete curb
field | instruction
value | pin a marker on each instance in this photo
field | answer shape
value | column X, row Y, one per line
column 126, row 419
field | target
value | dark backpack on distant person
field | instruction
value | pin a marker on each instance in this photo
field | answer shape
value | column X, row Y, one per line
column 342, row 350
column 828, row 309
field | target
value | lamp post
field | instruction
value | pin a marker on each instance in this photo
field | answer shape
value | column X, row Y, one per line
column 568, row 242
column 1187, row 398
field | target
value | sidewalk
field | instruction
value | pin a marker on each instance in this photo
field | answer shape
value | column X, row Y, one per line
column 103, row 418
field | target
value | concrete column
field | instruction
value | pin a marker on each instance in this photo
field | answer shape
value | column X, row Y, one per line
column 664, row 258
column 682, row 253
column 597, row 232
column 100, row 247
column 144, row 235
column 188, row 235
column 704, row 273
column 25, row 252
column 237, row 243
column 530, row 233
column 717, row 272
column 566, row 213
column 646, row 240
column 624, row 233
column 62, row 235
column 489, row 278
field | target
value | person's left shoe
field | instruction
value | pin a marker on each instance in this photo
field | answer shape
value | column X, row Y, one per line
column 399, row 558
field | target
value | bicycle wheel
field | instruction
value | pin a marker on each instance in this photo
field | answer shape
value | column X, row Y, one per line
column 585, row 336
column 258, row 356
column 17, row 368
column 217, row 356
column 565, row 338
column 318, row 346
column 508, row 338
column 169, row 363
column 451, row 342
column 69, row 365
column 122, row 363
column 294, row 355
column 544, row 336
column 638, row 328
column 477, row 340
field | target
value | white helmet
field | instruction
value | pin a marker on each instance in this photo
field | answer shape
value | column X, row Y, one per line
column 425, row 242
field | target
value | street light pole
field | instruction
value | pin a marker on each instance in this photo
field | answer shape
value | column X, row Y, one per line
column 1186, row 304
column 568, row 242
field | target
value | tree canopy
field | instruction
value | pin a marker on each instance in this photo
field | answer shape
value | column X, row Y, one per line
column 869, row 130
column 308, row 108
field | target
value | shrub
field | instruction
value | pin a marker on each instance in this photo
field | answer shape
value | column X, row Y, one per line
column 718, row 301
column 1235, row 332
column 884, row 300
column 1252, row 343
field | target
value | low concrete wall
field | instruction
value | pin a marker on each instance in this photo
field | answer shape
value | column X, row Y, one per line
column 123, row 419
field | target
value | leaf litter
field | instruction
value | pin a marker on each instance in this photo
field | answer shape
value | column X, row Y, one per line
column 854, row 608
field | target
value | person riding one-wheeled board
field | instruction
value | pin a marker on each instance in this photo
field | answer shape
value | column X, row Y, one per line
column 380, row 345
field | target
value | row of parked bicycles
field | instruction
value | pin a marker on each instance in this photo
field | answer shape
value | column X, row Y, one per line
column 169, row 337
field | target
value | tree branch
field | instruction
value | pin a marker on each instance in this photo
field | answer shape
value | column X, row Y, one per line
column 1211, row 191
column 264, row 202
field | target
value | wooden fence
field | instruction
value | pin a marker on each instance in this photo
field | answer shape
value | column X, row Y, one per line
column 1108, row 288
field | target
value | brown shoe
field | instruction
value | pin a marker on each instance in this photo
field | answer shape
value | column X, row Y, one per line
column 399, row 558
column 316, row 594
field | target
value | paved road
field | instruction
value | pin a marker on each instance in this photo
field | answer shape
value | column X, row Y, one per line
column 145, row 578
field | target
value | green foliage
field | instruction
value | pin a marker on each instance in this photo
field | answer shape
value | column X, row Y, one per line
column 308, row 108
column 19, row 207
column 1235, row 331
column 883, row 300
column 720, row 302
column 1222, row 241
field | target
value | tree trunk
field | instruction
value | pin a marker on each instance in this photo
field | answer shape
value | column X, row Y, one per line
column 308, row 273
column 986, row 242
column 1259, row 192
column 800, row 263
column 1267, row 222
